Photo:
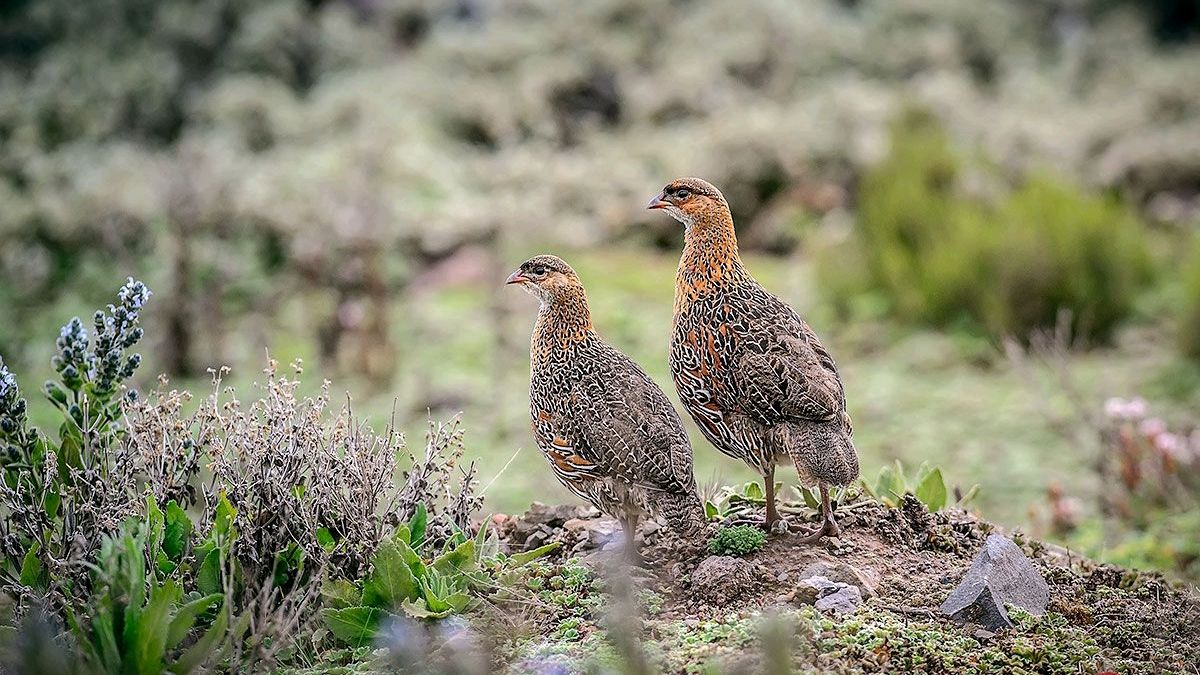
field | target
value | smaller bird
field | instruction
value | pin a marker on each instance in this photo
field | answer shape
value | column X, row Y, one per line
column 608, row 431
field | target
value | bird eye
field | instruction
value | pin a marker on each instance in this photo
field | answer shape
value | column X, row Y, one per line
column 683, row 193
column 538, row 271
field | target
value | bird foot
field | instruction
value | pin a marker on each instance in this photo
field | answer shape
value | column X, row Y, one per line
column 828, row 528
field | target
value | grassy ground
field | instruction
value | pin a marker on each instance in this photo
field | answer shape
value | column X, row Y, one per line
column 915, row 396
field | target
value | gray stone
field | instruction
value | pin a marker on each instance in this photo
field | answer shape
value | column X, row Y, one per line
column 829, row 596
column 834, row 570
column 999, row 575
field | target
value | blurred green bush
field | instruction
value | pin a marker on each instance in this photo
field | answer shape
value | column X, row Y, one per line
column 944, row 243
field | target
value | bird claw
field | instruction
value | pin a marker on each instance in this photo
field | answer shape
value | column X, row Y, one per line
column 828, row 528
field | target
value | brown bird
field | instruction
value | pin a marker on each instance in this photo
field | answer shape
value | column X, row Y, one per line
column 608, row 431
column 748, row 369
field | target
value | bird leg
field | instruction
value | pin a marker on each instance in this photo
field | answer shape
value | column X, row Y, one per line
column 629, row 525
column 769, row 491
column 828, row 528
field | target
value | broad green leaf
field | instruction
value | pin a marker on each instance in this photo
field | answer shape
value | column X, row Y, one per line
column 31, row 567
column 461, row 559
column 356, row 626
column 149, row 642
column 177, row 532
column 403, row 534
column 420, row 610
column 185, row 617
column 391, row 582
column 810, row 499
column 932, row 491
column 754, row 492
column 889, row 487
column 340, row 593
column 710, row 510
column 417, row 525
column 519, row 559
column 52, row 501
column 223, row 530
column 325, row 539
column 208, row 578
column 195, row 656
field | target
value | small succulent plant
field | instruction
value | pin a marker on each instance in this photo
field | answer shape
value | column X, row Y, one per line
column 738, row 540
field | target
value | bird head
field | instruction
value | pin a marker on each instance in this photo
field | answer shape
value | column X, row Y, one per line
column 545, row 276
column 689, row 200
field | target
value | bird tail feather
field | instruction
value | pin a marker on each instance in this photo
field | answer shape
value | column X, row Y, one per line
column 683, row 511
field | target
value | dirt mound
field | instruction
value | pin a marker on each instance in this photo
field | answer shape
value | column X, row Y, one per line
column 904, row 562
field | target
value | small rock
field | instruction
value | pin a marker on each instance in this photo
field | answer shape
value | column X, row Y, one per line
column 845, row 600
column 650, row 527
column 834, row 570
column 833, row 596
column 999, row 575
column 983, row 634
column 723, row 579
column 500, row 518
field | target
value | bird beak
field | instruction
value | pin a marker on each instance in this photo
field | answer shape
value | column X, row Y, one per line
column 516, row 278
column 658, row 202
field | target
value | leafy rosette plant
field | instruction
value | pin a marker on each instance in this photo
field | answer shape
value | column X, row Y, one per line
column 413, row 578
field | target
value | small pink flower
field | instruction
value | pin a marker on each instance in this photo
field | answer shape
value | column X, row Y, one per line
column 1153, row 427
column 1115, row 408
column 1172, row 446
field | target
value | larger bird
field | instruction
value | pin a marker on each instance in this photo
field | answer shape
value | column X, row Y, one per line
column 608, row 431
column 748, row 369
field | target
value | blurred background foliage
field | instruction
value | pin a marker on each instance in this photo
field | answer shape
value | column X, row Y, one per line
column 349, row 181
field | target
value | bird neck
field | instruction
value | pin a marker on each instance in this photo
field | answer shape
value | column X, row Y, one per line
column 563, row 319
column 710, row 255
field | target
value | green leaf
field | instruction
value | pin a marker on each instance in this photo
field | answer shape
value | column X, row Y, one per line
column 155, row 524
column 519, row 559
column 889, row 487
column 208, row 578
column 177, row 532
column 340, row 593
column 289, row 564
column 403, row 534
column 417, row 525
column 223, row 530
column 52, row 501
column 149, row 641
column 197, row 654
column 810, row 499
column 419, row 609
column 710, row 510
column 754, row 492
column 391, row 582
column 970, row 495
column 185, row 617
column 325, row 539
column 932, row 490
column 31, row 567
column 461, row 559
column 356, row 626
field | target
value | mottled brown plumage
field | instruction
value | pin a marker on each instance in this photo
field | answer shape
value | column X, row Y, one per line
column 748, row 369
column 608, row 431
